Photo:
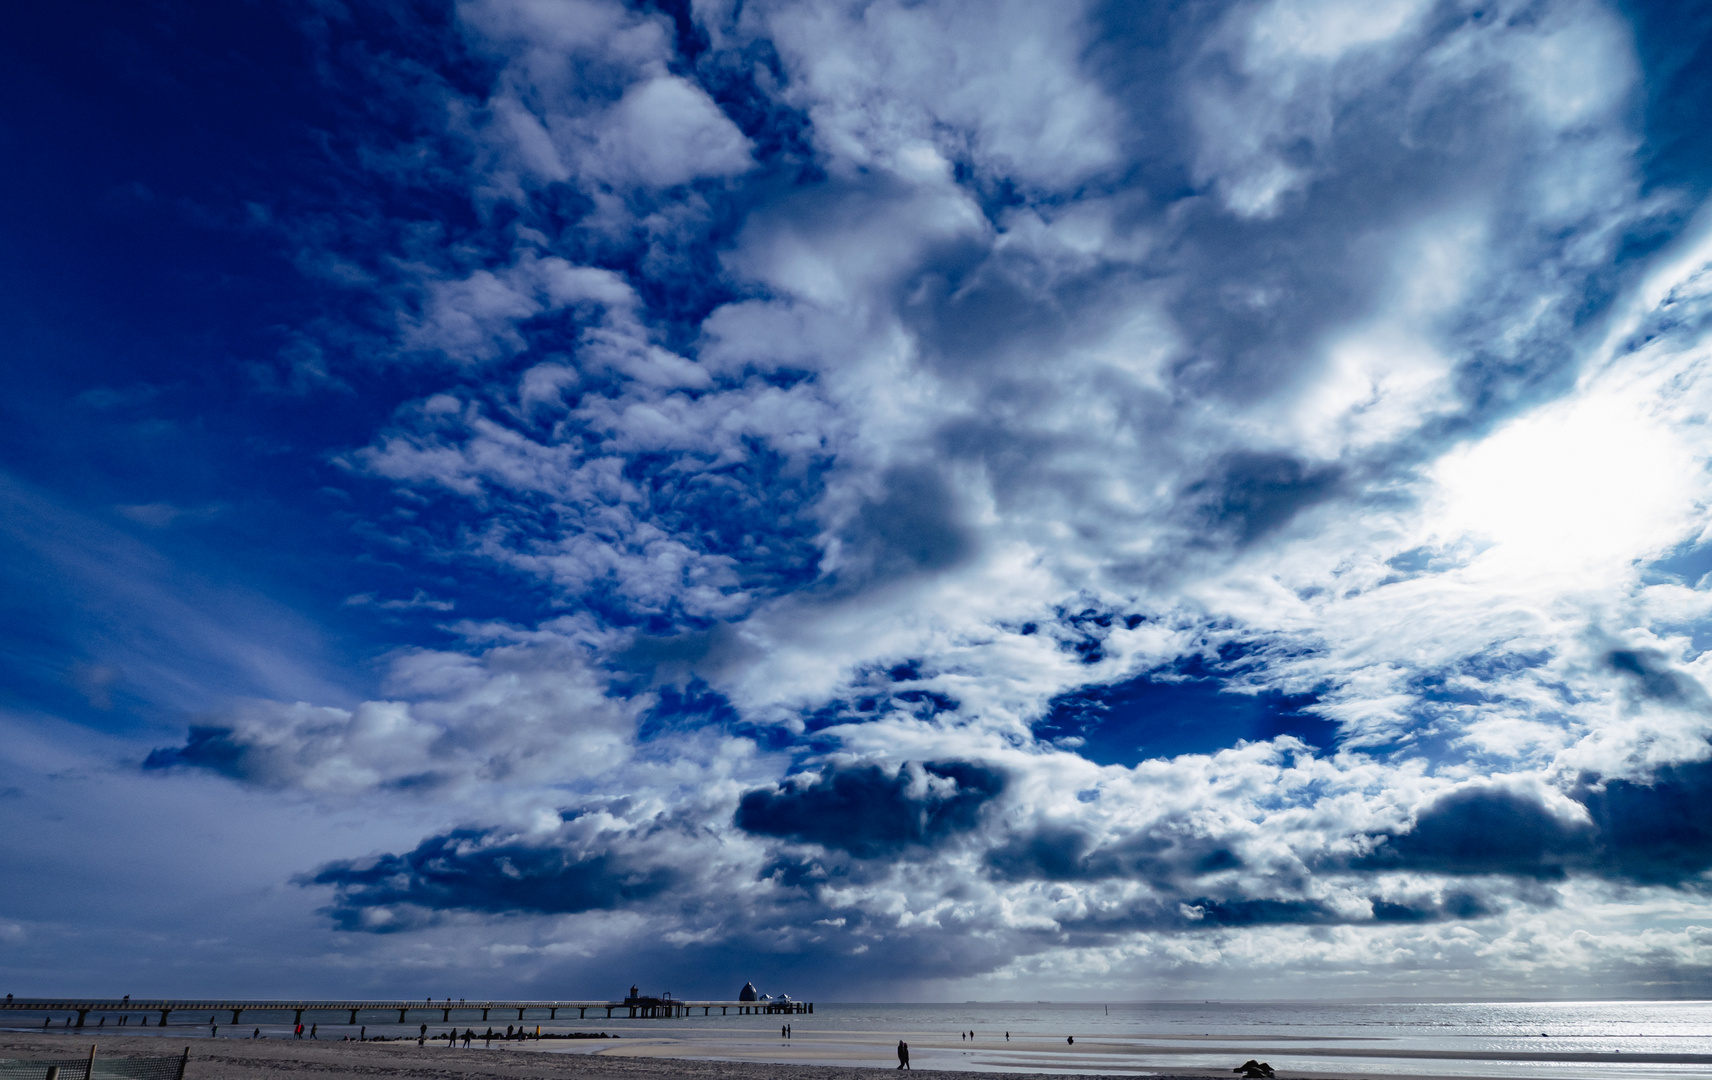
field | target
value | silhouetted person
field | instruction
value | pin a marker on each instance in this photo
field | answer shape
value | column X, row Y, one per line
column 102, row 1022
column 363, row 1035
column 488, row 1038
column 1007, row 1036
column 424, row 1031
column 256, row 1034
column 468, row 1035
column 903, row 1055
column 312, row 1030
column 1071, row 1040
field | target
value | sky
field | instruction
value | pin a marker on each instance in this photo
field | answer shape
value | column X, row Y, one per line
column 888, row 500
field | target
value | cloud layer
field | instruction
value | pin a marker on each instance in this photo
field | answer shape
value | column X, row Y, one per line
column 982, row 492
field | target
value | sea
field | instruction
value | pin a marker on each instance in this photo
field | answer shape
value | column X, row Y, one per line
column 1572, row 1040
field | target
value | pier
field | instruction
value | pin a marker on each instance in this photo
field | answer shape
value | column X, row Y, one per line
column 634, row 1008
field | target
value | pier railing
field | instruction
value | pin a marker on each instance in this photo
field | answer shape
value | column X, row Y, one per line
column 218, row 1009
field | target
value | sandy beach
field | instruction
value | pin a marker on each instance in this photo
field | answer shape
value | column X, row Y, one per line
column 643, row 1058
column 292, row 1059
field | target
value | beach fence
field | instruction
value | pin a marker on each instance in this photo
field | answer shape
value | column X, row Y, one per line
column 90, row 1067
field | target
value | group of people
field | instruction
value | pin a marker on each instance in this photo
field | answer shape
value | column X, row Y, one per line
column 487, row 1038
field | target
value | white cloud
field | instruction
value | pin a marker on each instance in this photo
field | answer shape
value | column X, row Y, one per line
column 526, row 711
column 586, row 98
column 1000, row 84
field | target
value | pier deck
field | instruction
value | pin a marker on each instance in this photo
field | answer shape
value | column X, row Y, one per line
column 631, row 1008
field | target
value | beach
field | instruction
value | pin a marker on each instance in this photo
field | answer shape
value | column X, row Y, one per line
column 293, row 1059
column 848, row 1056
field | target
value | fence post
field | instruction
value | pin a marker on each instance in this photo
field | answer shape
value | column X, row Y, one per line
column 89, row 1066
column 182, row 1062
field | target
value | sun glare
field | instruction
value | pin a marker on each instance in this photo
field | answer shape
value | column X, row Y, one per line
column 1590, row 483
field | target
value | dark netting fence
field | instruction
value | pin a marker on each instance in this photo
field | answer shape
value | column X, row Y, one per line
column 166, row 1067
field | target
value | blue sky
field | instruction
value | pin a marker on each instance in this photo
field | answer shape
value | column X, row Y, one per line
column 886, row 500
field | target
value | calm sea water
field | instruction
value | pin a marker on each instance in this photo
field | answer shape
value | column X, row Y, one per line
column 1662, row 1039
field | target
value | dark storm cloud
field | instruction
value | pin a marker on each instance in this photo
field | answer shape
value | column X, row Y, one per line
column 681, row 656
column 1167, row 856
column 1251, row 495
column 1486, row 831
column 211, row 748
column 1656, row 830
column 485, row 870
column 871, row 813
column 913, row 527
column 1649, row 675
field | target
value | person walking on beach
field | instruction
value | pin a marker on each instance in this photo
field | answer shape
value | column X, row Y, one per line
column 903, row 1055
column 468, row 1035
column 312, row 1029
column 299, row 1029
column 487, row 1039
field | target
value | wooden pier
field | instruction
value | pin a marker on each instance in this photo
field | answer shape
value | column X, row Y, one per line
column 634, row 1008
